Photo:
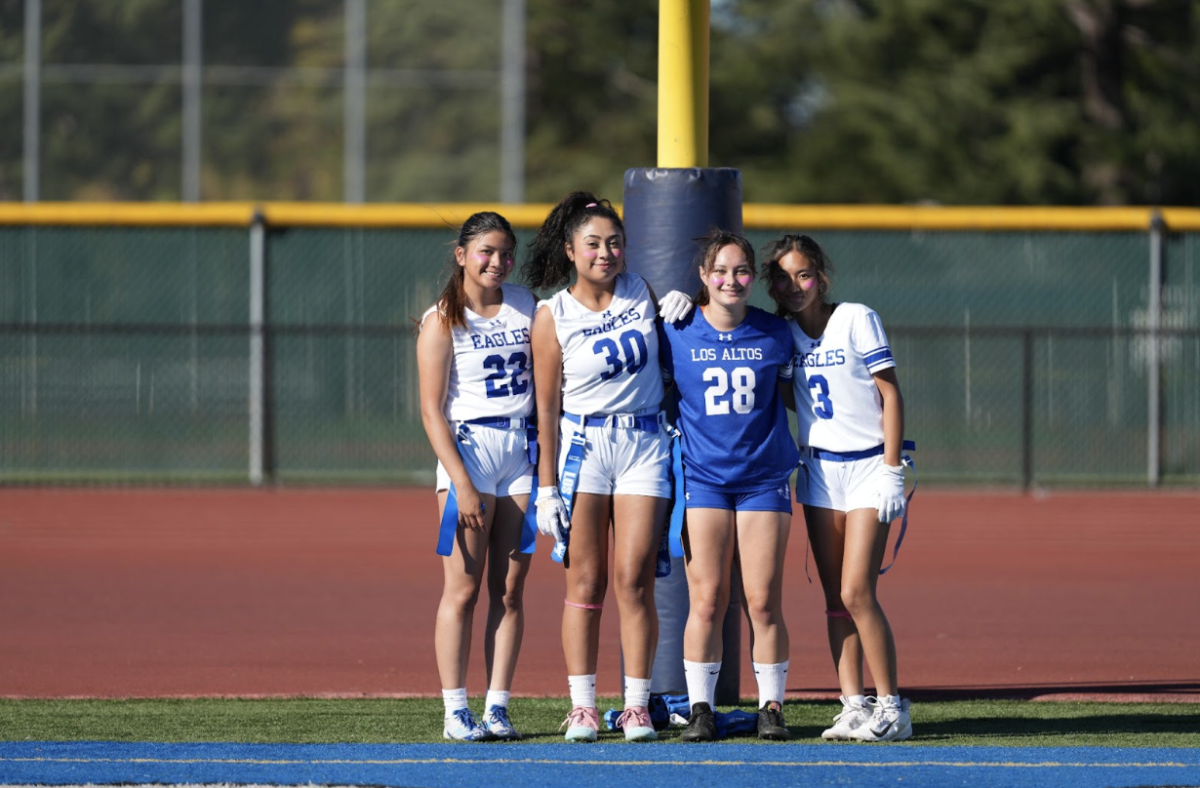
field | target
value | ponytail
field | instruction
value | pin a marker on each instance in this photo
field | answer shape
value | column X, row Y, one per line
column 547, row 264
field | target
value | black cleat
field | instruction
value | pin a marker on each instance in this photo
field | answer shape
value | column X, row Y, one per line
column 702, row 724
column 770, row 723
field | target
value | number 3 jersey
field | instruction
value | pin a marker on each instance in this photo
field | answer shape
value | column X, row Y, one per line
column 735, row 428
column 491, row 373
column 838, row 406
column 610, row 358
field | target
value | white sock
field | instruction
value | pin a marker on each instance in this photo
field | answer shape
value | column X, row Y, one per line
column 637, row 692
column 495, row 698
column 701, row 681
column 583, row 690
column 454, row 699
column 857, row 701
column 772, row 681
column 889, row 701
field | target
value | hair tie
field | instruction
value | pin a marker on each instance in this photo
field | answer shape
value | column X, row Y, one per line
column 591, row 205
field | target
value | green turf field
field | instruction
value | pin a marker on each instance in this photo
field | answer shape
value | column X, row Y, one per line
column 415, row 720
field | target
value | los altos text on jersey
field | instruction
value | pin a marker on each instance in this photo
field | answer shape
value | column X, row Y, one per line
column 514, row 336
column 727, row 354
column 826, row 358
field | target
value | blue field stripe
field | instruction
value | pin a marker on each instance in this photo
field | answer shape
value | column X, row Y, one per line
column 546, row 765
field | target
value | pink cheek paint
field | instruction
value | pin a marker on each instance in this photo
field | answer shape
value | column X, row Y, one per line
column 745, row 281
column 808, row 284
column 717, row 283
column 482, row 259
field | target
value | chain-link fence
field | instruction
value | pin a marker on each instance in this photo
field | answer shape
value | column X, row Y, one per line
column 126, row 352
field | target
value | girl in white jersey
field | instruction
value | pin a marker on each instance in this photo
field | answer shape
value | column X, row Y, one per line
column 851, row 426
column 599, row 391
column 474, row 361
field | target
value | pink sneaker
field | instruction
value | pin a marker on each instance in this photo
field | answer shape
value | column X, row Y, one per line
column 635, row 721
column 582, row 724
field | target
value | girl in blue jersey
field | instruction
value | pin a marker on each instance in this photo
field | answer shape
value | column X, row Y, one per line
column 732, row 367
column 602, row 440
column 851, row 426
column 473, row 358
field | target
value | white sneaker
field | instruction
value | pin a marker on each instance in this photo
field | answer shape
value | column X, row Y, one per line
column 461, row 725
column 496, row 721
column 848, row 719
column 887, row 723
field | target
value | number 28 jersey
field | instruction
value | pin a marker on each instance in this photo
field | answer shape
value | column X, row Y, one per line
column 838, row 406
column 735, row 427
column 491, row 372
column 610, row 358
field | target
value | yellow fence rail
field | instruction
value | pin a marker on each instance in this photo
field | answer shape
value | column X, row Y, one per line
column 756, row 216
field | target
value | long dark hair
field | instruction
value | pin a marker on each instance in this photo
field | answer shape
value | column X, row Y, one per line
column 452, row 302
column 805, row 245
column 710, row 246
column 546, row 263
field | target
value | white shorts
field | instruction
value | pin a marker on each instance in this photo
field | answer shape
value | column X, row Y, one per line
column 620, row 460
column 842, row 485
column 496, row 461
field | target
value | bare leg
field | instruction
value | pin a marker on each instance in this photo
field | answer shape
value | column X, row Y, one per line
column 587, row 582
column 762, row 539
column 463, row 573
column 827, row 534
column 866, row 541
column 637, row 524
column 507, row 570
column 710, row 550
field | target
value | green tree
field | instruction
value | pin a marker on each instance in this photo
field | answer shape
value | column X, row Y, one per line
column 959, row 101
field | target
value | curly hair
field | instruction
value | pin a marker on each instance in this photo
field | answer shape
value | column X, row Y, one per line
column 547, row 264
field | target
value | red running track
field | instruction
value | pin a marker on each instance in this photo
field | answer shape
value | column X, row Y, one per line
column 152, row 593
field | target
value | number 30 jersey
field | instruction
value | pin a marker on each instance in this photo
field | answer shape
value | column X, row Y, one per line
column 610, row 358
column 838, row 406
column 735, row 427
column 491, row 374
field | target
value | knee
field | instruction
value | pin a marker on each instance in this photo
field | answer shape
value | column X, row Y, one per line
column 508, row 596
column 707, row 604
column 764, row 610
column 460, row 598
column 857, row 598
column 589, row 589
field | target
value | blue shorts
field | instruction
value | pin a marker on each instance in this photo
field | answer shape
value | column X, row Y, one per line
column 775, row 497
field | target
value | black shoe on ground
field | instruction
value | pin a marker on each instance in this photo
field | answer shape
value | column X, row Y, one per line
column 770, row 723
column 702, row 724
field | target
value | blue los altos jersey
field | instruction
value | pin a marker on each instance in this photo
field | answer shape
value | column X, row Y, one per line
column 735, row 427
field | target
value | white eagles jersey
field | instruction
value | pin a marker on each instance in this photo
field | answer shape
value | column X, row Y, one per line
column 492, row 370
column 610, row 358
column 838, row 405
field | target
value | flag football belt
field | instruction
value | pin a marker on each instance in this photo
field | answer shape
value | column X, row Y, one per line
column 449, row 524
column 848, row 456
column 647, row 422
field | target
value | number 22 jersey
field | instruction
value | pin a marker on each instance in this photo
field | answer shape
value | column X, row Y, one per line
column 735, row 428
column 491, row 372
column 838, row 406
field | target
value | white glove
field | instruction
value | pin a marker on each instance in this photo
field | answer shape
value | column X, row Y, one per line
column 552, row 514
column 675, row 306
column 891, row 492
